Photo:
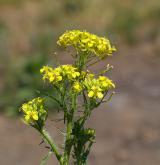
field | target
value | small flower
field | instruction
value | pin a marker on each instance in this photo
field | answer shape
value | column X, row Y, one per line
column 106, row 83
column 63, row 72
column 31, row 116
column 95, row 92
column 70, row 72
column 96, row 87
column 34, row 111
column 77, row 87
column 90, row 94
column 50, row 74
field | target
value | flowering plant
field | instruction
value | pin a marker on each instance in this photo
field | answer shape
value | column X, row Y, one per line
column 75, row 87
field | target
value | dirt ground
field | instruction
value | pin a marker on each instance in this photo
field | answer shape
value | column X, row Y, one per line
column 127, row 128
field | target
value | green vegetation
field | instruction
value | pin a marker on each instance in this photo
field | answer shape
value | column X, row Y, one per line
column 11, row 2
column 20, row 83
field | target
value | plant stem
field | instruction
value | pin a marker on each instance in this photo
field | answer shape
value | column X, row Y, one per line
column 68, row 145
column 68, row 140
column 46, row 136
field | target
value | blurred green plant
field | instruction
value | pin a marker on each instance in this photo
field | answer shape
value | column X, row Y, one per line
column 42, row 41
column 11, row 2
column 73, row 6
column 152, row 18
column 2, row 26
column 3, row 36
column 125, row 23
column 129, row 23
column 20, row 83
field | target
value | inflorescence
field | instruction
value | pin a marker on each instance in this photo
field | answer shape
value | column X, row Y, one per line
column 78, row 80
column 86, row 42
column 95, row 87
column 74, row 87
column 34, row 111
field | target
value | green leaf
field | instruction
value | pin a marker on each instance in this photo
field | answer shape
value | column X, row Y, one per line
column 45, row 159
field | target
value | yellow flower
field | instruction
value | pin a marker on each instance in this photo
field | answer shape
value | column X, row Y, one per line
column 106, row 83
column 25, row 107
column 34, row 110
column 69, row 71
column 99, row 95
column 53, row 76
column 31, row 115
column 60, row 73
column 95, row 92
column 90, row 94
column 77, row 87
column 96, row 87
column 86, row 42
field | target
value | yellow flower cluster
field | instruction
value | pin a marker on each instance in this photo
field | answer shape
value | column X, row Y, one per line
column 105, row 83
column 97, row 87
column 33, row 110
column 60, row 73
column 86, row 42
column 77, row 87
column 53, row 75
column 69, row 71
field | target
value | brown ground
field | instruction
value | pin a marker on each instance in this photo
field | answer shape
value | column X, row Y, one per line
column 128, row 128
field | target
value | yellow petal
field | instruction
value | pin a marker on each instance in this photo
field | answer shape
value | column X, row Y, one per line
column 59, row 78
column 25, row 107
column 51, row 78
column 100, row 95
column 77, row 73
column 102, row 78
column 91, row 94
column 28, row 112
column 74, row 75
column 41, row 70
column 27, row 118
column 104, row 84
column 35, row 116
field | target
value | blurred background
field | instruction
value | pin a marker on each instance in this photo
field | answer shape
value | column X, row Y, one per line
column 128, row 128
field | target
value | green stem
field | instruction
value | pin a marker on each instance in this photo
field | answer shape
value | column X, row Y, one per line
column 68, row 140
column 68, row 145
column 46, row 136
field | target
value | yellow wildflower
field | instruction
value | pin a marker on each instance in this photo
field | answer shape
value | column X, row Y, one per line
column 90, row 94
column 106, row 83
column 34, row 110
column 31, row 115
column 96, row 87
column 86, row 42
column 77, row 87
column 95, row 92
column 50, row 74
column 69, row 71
column 60, row 73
